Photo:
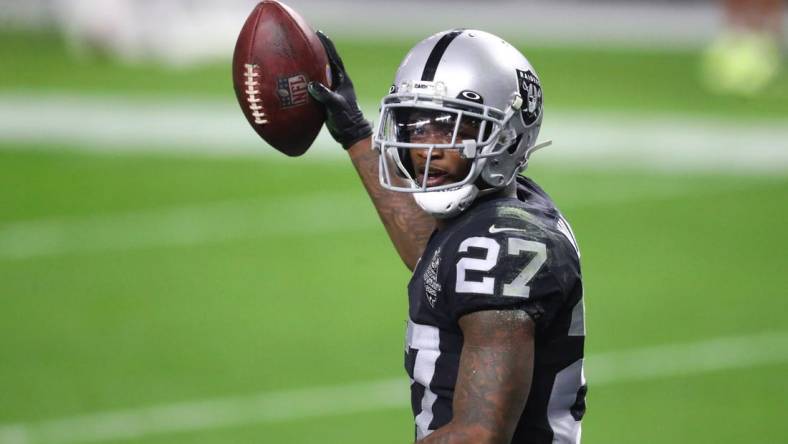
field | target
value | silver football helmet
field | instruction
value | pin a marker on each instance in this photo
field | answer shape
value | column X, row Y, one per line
column 482, row 95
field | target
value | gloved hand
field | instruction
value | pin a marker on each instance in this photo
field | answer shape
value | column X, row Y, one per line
column 344, row 119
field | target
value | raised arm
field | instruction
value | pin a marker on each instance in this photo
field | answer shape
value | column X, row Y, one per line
column 407, row 225
column 496, row 368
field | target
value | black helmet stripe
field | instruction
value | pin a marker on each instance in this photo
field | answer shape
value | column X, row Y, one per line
column 437, row 53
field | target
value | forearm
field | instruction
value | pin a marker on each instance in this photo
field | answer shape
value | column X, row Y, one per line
column 407, row 225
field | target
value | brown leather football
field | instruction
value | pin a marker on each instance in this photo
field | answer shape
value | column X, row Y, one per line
column 276, row 56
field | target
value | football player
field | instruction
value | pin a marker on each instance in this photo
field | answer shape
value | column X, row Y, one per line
column 496, row 321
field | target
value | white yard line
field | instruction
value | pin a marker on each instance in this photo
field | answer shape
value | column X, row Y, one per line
column 186, row 225
column 217, row 128
column 233, row 220
column 212, row 413
column 676, row 360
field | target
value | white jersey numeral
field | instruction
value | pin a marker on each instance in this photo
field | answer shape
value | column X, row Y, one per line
column 487, row 285
column 519, row 286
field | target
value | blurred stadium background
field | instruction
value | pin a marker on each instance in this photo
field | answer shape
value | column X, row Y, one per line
column 166, row 277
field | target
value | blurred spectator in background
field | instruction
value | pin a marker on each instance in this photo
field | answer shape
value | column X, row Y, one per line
column 173, row 32
column 746, row 56
column 106, row 27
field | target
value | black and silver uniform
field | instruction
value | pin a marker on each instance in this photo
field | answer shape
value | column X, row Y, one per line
column 511, row 254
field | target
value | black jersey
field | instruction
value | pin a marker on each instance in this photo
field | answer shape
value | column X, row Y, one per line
column 511, row 254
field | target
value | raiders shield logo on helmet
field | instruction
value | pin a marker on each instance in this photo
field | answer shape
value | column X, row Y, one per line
column 531, row 92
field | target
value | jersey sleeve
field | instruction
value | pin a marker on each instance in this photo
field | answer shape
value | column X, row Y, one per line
column 506, row 268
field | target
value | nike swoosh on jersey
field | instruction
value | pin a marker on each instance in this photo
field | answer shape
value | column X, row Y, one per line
column 494, row 229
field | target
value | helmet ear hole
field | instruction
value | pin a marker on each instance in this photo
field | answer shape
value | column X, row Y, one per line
column 513, row 147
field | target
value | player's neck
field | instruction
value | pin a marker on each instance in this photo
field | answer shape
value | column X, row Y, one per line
column 509, row 191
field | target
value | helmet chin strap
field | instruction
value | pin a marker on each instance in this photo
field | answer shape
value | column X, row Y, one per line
column 446, row 204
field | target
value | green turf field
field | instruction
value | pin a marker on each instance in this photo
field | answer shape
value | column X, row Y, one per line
column 136, row 280
column 581, row 79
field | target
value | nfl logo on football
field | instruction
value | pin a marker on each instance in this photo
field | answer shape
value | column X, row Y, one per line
column 292, row 91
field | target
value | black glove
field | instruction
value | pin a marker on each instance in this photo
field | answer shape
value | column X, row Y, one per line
column 344, row 120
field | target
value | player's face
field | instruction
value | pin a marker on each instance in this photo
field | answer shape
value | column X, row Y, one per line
column 446, row 165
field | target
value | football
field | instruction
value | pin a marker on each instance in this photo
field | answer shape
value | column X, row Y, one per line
column 276, row 56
